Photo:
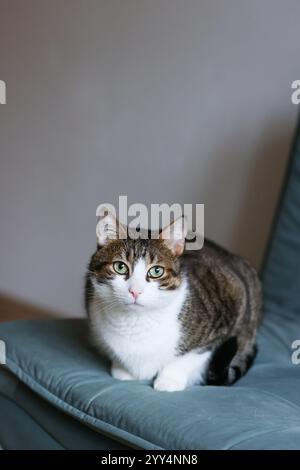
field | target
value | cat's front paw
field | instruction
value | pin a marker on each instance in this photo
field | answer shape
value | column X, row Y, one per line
column 169, row 382
column 121, row 374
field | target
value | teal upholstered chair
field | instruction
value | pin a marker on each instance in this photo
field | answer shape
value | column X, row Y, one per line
column 56, row 392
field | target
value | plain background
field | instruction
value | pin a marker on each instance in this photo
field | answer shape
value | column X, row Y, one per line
column 183, row 101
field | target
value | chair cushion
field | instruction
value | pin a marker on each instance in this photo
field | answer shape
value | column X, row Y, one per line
column 33, row 423
column 54, row 359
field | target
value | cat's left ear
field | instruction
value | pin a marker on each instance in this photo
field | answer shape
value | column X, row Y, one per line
column 174, row 235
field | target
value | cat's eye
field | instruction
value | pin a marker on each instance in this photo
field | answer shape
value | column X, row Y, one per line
column 120, row 267
column 156, row 272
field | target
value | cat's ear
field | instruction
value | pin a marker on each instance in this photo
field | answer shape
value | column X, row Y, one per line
column 174, row 235
column 109, row 228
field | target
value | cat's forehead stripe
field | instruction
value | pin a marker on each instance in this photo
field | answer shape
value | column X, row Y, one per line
column 138, row 249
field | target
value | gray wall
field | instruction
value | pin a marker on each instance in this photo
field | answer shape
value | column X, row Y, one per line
column 162, row 100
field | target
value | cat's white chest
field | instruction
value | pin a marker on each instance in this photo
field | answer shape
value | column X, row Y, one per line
column 143, row 342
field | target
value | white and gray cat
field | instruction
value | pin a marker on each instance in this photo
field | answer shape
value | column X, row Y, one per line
column 169, row 315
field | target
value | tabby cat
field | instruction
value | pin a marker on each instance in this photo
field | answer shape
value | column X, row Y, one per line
column 162, row 313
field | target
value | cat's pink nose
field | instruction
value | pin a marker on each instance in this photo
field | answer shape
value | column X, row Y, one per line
column 135, row 292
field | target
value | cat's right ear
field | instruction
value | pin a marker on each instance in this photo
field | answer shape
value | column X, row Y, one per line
column 174, row 235
column 109, row 228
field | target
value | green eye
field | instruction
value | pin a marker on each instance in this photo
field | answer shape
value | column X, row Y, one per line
column 156, row 271
column 120, row 267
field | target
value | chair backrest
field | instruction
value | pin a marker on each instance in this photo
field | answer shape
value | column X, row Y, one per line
column 281, row 270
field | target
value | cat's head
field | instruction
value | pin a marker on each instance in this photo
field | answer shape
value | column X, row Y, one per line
column 137, row 273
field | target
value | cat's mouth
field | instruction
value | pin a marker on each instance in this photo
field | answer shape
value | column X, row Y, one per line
column 135, row 303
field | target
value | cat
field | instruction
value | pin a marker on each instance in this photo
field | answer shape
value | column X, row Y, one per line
column 175, row 317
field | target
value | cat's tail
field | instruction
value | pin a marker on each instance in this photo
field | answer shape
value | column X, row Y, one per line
column 228, row 363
